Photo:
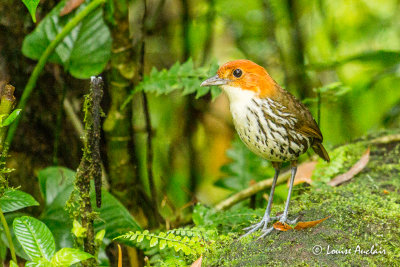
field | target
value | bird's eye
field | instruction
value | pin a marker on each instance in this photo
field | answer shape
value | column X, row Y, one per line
column 237, row 73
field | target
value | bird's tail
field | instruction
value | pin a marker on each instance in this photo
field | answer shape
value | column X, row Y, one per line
column 320, row 150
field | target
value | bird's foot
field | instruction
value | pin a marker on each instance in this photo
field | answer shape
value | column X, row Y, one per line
column 283, row 219
column 263, row 225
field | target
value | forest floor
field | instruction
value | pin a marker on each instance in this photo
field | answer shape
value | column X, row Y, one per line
column 364, row 227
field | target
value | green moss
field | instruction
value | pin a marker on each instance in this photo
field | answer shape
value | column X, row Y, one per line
column 364, row 212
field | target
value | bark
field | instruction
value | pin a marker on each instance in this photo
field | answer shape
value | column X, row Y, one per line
column 90, row 166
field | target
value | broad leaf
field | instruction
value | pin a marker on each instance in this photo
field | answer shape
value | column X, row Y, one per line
column 18, row 248
column 69, row 256
column 35, row 237
column 56, row 183
column 84, row 52
column 115, row 218
column 13, row 200
column 38, row 263
column 32, row 5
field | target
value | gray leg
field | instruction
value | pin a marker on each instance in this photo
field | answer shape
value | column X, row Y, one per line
column 266, row 218
column 283, row 217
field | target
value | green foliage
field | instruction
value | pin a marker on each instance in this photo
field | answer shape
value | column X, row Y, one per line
column 84, row 52
column 245, row 166
column 10, row 118
column 35, row 238
column 56, row 185
column 19, row 251
column 342, row 159
column 330, row 92
column 38, row 242
column 13, row 200
column 225, row 222
column 184, row 77
column 32, row 5
column 384, row 57
column 69, row 256
column 187, row 241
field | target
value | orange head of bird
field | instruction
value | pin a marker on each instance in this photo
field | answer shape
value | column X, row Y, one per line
column 243, row 75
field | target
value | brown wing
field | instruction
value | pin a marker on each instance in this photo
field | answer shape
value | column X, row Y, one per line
column 306, row 124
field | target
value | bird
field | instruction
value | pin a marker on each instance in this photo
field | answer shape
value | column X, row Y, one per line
column 271, row 122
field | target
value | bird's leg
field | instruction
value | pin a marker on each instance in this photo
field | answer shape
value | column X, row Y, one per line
column 266, row 218
column 283, row 218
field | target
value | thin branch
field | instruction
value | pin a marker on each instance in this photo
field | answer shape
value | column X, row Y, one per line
column 76, row 123
column 89, row 166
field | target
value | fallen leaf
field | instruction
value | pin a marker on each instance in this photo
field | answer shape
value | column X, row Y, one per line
column 119, row 256
column 357, row 168
column 386, row 192
column 304, row 173
column 70, row 6
column 282, row 226
column 304, row 225
column 197, row 263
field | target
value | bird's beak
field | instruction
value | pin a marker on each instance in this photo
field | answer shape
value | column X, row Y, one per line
column 215, row 80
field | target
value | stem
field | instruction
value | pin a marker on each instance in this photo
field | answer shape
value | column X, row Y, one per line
column 43, row 59
column 8, row 235
column 89, row 166
column 319, row 108
column 149, row 150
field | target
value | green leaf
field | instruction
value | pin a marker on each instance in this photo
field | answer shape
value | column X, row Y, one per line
column 140, row 238
column 11, row 118
column 13, row 264
column 13, row 200
column 163, row 243
column 84, row 52
column 184, row 77
column 32, row 5
column 115, row 218
column 153, row 241
column 38, row 263
column 35, row 238
column 56, row 185
column 78, row 230
column 100, row 236
column 18, row 248
column 69, row 256
column 56, row 182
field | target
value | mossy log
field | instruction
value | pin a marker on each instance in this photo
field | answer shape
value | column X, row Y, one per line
column 364, row 227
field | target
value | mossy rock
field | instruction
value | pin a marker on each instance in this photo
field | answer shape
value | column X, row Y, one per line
column 363, row 230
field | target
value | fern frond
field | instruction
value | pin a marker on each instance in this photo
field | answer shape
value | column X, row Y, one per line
column 183, row 77
column 189, row 245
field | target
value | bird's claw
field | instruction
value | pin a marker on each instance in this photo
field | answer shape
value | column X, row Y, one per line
column 262, row 224
column 285, row 220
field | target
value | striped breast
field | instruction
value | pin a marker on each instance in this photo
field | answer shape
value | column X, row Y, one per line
column 268, row 129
